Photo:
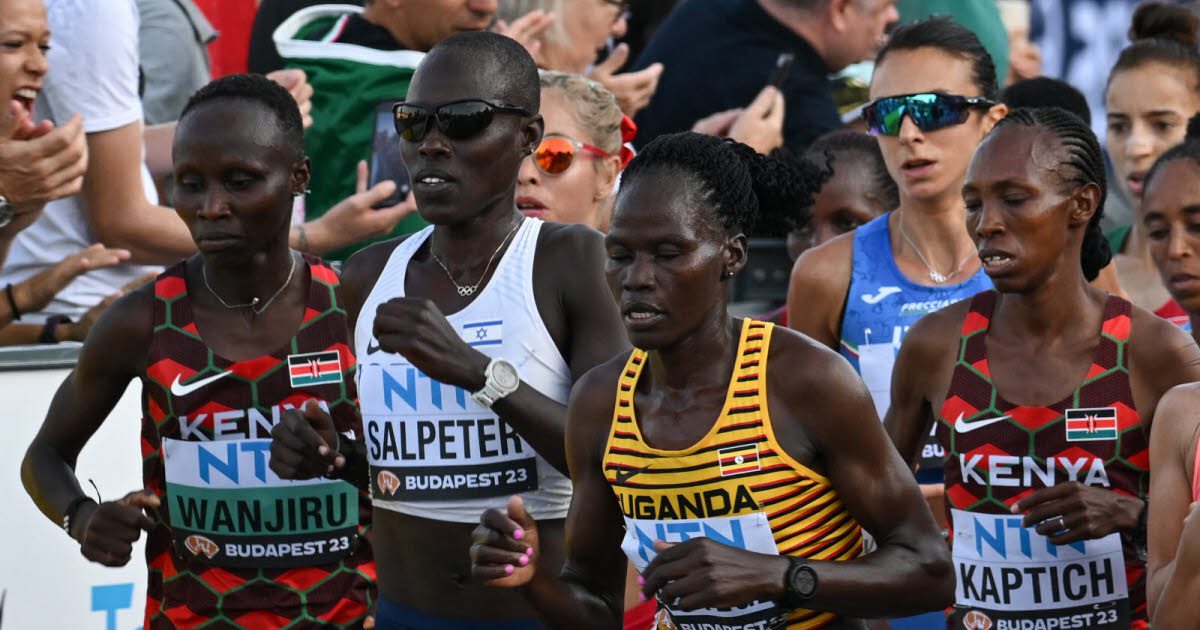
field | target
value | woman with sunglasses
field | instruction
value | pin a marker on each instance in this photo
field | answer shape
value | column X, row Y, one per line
column 859, row 293
column 1041, row 392
column 224, row 343
column 1153, row 90
column 568, row 35
column 1170, row 213
column 570, row 176
column 469, row 335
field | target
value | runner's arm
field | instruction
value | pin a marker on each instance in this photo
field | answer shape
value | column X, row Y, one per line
column 910, row 414
column 588, row 593
column 1172, row 444
column 113, row 354
column 910, row 572
column 817, row 290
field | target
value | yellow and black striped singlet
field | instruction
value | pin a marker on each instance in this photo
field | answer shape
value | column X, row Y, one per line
column 736, row 485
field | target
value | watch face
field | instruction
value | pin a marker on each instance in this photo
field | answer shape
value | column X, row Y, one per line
column 506, row 375
column 804, row 581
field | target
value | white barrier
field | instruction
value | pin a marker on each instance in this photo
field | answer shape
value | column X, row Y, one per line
column 46, row 582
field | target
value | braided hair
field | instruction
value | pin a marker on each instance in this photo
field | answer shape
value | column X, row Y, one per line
column 1189, row 149
column 847, row 146
column 743, row 186
column 1083, row 164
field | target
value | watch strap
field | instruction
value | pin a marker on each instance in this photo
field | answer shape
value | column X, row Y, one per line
column 52, row 322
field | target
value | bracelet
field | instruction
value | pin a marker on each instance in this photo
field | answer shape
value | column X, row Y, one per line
column 69, row 514
column 12, row 302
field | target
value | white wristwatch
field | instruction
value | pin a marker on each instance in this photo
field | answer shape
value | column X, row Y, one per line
column 502, row 380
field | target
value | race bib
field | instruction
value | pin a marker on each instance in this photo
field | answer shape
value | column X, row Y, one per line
column 433, row 442
column 1011, row 578
column 227, row 508
column 748, row 531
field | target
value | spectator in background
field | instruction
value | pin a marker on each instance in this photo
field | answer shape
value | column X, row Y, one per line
column 38, row 163
column 570, row 176
column 567, row 35
column 359, row 62
column 263, row 56
column 172, row 35
column 1153, row 90
column 718, row 55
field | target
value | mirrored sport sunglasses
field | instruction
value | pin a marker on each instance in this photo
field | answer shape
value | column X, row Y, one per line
column 929, row 111
column 457, row 120
column 557, row 153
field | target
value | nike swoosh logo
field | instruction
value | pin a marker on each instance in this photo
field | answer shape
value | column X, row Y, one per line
column 624, row 475
column 883, row 293
column 967, row 427
column 179, row 389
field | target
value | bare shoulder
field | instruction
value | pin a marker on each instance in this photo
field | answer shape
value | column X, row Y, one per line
column 568, row 239
column 936, row 333
column 121, row 337
column 826, row 268
column 597, row 388
column 362, row 269
column 805, row 367
column 1161, row 356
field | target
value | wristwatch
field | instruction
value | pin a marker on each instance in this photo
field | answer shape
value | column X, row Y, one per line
column 7, row 211
column 799, row 583
column 501, row 380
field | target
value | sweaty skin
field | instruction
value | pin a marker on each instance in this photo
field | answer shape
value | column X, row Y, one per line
column 661, row 252
column 423, row 563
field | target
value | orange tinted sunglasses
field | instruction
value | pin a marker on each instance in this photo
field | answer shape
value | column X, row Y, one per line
column 556, row 154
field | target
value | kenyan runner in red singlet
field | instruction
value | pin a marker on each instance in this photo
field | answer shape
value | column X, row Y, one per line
column 1042, row 392
column 225, row 344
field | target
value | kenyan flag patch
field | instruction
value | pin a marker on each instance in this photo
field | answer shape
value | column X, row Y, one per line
column 314, row 368
column 1093, row 423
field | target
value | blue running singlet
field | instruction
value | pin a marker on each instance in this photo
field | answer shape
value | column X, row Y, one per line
column 881, row 305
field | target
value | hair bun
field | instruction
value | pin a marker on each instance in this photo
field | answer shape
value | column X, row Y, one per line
column 1163, row 20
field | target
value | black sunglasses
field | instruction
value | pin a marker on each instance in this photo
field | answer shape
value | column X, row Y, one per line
column 457, row 120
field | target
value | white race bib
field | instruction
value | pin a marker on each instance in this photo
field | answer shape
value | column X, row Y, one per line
column 1010, row 577
column 227, row 508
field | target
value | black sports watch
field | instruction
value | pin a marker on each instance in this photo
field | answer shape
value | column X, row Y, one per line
column 799, row 583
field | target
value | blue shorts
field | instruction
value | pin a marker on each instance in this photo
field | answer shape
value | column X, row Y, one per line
column 392, row 616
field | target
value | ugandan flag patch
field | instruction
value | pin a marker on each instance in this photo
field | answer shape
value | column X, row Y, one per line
column 735, row 460
column 1093, row 423
column 314, row 368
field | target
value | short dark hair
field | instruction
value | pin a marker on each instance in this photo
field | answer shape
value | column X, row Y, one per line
column 944, row 34
column 502, row 60
column 1047, row 92
column 742, row 185
column 1084, row 162
column 846, row 146
column 257, row 89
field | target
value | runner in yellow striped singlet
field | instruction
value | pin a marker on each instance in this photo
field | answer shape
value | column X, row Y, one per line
column 736, row 464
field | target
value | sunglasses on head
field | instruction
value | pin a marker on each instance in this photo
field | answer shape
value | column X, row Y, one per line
column 929, row 111
column 457, row 120
column 557, row 153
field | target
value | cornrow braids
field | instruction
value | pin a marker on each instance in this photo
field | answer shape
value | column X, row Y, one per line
column 845, row 146
column 1083, row 164
column 1188, row 149
column 743, row 186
